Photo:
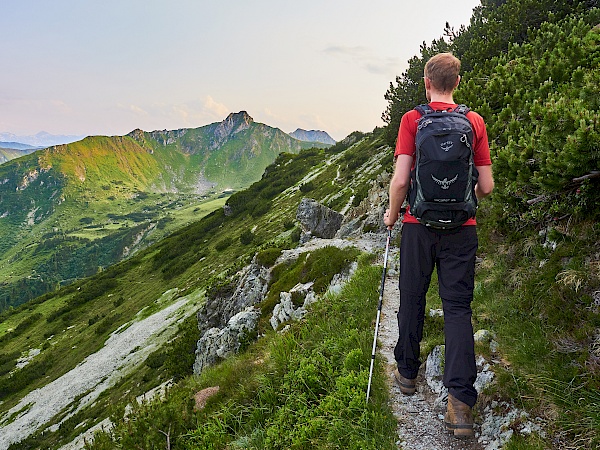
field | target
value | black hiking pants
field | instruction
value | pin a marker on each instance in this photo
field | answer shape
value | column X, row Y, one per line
column 453, row 253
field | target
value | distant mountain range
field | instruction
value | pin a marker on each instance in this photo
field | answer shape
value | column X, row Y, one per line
column 67, row 211
column 7, row 153
column 14, row 146
column 18, row 146
column 313, row 136
column 39, row 140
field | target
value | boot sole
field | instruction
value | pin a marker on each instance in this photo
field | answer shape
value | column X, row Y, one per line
column 460, row 430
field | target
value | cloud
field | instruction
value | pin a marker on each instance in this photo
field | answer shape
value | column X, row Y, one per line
column 217, row 109
column 136, row 109
column 365, row 58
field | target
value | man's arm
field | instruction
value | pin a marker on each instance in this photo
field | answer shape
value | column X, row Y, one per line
column 398, row 188
column 485, row 182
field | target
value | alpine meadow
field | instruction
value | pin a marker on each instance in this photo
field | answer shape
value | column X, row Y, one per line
column 173, row 289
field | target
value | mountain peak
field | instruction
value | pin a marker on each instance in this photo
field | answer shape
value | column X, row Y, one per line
column 313, row 136
column 233, row 124
column 236, row 122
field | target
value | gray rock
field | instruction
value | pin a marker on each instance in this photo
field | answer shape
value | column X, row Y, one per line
column 285, row 311
column 216, row 344
column 251, row 289
column 434, row 373
column 433, row 370
column 483, row 336
column 352, row 228
column 318, row 219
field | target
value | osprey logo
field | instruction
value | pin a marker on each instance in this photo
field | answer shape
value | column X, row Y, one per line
column 445, row 183
column 446, row 146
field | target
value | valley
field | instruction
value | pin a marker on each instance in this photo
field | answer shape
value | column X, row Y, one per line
column 72, row 210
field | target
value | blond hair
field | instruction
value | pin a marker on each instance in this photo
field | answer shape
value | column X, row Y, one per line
column 442, row 70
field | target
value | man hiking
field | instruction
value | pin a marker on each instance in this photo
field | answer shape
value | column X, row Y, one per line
column 441, row 232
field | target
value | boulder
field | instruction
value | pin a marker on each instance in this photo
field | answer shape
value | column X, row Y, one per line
column 318, row 219
column 251, row 289
column 219, row 343
column 285, row 309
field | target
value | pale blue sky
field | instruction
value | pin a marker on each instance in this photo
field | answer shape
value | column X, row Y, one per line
column 109, row 66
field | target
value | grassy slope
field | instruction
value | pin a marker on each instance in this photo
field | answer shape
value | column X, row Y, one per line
column 114, row 296
column 533, row 317
column 91, row 203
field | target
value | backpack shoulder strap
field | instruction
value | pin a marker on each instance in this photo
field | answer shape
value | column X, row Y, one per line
column 424, row 109
column 462, row 109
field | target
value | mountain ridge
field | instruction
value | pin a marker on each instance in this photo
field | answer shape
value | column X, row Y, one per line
column 313, row 136
column 129, row 184
column 41, row 139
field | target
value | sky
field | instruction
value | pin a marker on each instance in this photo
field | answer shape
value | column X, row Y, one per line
column 106, row 67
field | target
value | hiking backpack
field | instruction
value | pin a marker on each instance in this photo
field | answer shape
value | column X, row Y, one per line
column 442, row 192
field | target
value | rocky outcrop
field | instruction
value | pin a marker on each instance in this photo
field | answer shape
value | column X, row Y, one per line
column 168, row 137
column 233, row 124
column 219, row 343
column 368, row 215
column 225, row 320
column 318, row 220
column 285, row 310
column 252, row 285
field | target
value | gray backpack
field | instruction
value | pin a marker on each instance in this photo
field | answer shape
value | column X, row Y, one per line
column 442, row 192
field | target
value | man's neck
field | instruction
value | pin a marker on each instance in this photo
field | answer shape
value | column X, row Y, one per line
column 441, row 98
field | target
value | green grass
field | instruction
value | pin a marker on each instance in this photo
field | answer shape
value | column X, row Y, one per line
column 544, row 326
column 536, row 301
column 304, row 389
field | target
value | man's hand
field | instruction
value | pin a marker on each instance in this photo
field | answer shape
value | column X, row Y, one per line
column 389, row 219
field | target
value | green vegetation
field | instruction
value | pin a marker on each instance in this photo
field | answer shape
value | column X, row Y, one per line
column 71, row 210
column 304, row 389
column 202, row 256
column 530, row 68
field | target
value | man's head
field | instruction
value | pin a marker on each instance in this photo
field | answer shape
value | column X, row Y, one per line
column 443, row 72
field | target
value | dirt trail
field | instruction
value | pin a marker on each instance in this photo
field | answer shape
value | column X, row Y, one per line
column 420, row 423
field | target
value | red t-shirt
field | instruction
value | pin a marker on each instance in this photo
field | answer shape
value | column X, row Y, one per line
column 405, row 145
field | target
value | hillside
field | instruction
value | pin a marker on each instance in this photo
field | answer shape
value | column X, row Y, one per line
column 7, row 153
column 175, row 273
column 70, row 210
column 119, row 349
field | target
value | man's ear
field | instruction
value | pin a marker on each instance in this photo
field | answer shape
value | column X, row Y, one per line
column 457, row 81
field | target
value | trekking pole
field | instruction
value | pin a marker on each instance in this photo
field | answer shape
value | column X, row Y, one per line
column 387, row 250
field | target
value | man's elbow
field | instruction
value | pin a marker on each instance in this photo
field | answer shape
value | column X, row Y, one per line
column 484, row 189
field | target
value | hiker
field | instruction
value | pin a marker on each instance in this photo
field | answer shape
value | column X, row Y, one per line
column 452, row 250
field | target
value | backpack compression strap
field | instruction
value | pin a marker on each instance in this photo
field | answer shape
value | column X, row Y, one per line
column 426, row 109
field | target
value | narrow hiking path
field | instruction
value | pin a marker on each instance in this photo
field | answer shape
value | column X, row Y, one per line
column 420, row 420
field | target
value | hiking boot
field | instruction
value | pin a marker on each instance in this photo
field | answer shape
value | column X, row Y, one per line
column 408, row 386
column 459, row 418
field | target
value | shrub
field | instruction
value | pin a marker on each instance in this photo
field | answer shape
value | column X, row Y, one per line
column 295, row 236
column 156, row 360
column 247, row 237
column 307, row 187
column 222, row 245
column 267, row 258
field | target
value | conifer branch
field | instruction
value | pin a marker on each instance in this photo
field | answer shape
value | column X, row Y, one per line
column 592, row 174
